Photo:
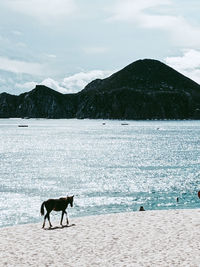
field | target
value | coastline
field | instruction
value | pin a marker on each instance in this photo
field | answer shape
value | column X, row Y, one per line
column 149, row 238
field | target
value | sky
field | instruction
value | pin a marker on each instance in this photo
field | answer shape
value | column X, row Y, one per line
column 65, row 44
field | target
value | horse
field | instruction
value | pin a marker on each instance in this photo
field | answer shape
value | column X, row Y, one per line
column 59, row 204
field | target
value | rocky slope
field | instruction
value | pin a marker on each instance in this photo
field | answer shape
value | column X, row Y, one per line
column 41, row 102
column 145, row 89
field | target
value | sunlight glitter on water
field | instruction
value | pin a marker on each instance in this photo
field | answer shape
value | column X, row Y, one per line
column 109, row 168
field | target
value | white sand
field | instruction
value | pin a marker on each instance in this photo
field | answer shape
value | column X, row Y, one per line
column 150, row 238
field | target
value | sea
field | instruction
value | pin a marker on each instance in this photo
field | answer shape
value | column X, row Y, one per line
column 109, row 166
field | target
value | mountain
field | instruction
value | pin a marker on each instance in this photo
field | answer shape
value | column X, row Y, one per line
column 41, row 102
column 148, row 75
column 145, row 89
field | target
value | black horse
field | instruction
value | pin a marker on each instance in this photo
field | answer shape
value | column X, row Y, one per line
column 59, row 204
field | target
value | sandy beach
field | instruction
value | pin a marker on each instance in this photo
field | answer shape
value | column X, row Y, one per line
column 147, row 238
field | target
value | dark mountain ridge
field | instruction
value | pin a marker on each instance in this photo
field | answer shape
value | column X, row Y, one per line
column 145, row 89
column 147, row 74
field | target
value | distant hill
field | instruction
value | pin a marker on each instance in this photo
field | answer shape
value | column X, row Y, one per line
column 145, row 89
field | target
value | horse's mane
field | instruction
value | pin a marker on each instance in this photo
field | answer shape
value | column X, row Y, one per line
column 63, row 198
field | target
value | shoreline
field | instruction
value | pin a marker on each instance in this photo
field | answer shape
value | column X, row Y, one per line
column 149, row 238
column 55, row 218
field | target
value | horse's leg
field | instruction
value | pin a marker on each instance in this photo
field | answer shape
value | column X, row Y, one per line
column 44, row 220
column 66, row 218
column 48, row 216
column 62, row 217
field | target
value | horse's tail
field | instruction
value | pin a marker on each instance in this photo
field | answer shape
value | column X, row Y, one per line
column 42, row 208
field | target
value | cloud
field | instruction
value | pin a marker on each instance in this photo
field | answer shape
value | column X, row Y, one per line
column 21, row 45
column 188, row 64
column 71, row 84
column 55, row 85
column 51, row 56
column 79, row 80
column 95, row 50
column 155, row 14
column 44, row 10
column 17, row 33
column 51, row 83
column 17, row 66
column 135, row 10
column 26, row 86
column 2, row 81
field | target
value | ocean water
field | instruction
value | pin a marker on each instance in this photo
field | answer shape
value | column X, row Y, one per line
column 110, row 166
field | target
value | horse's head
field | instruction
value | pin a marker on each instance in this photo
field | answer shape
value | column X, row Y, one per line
column 70, row 200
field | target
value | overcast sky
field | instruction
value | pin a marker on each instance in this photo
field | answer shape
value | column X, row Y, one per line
column 65, row 44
